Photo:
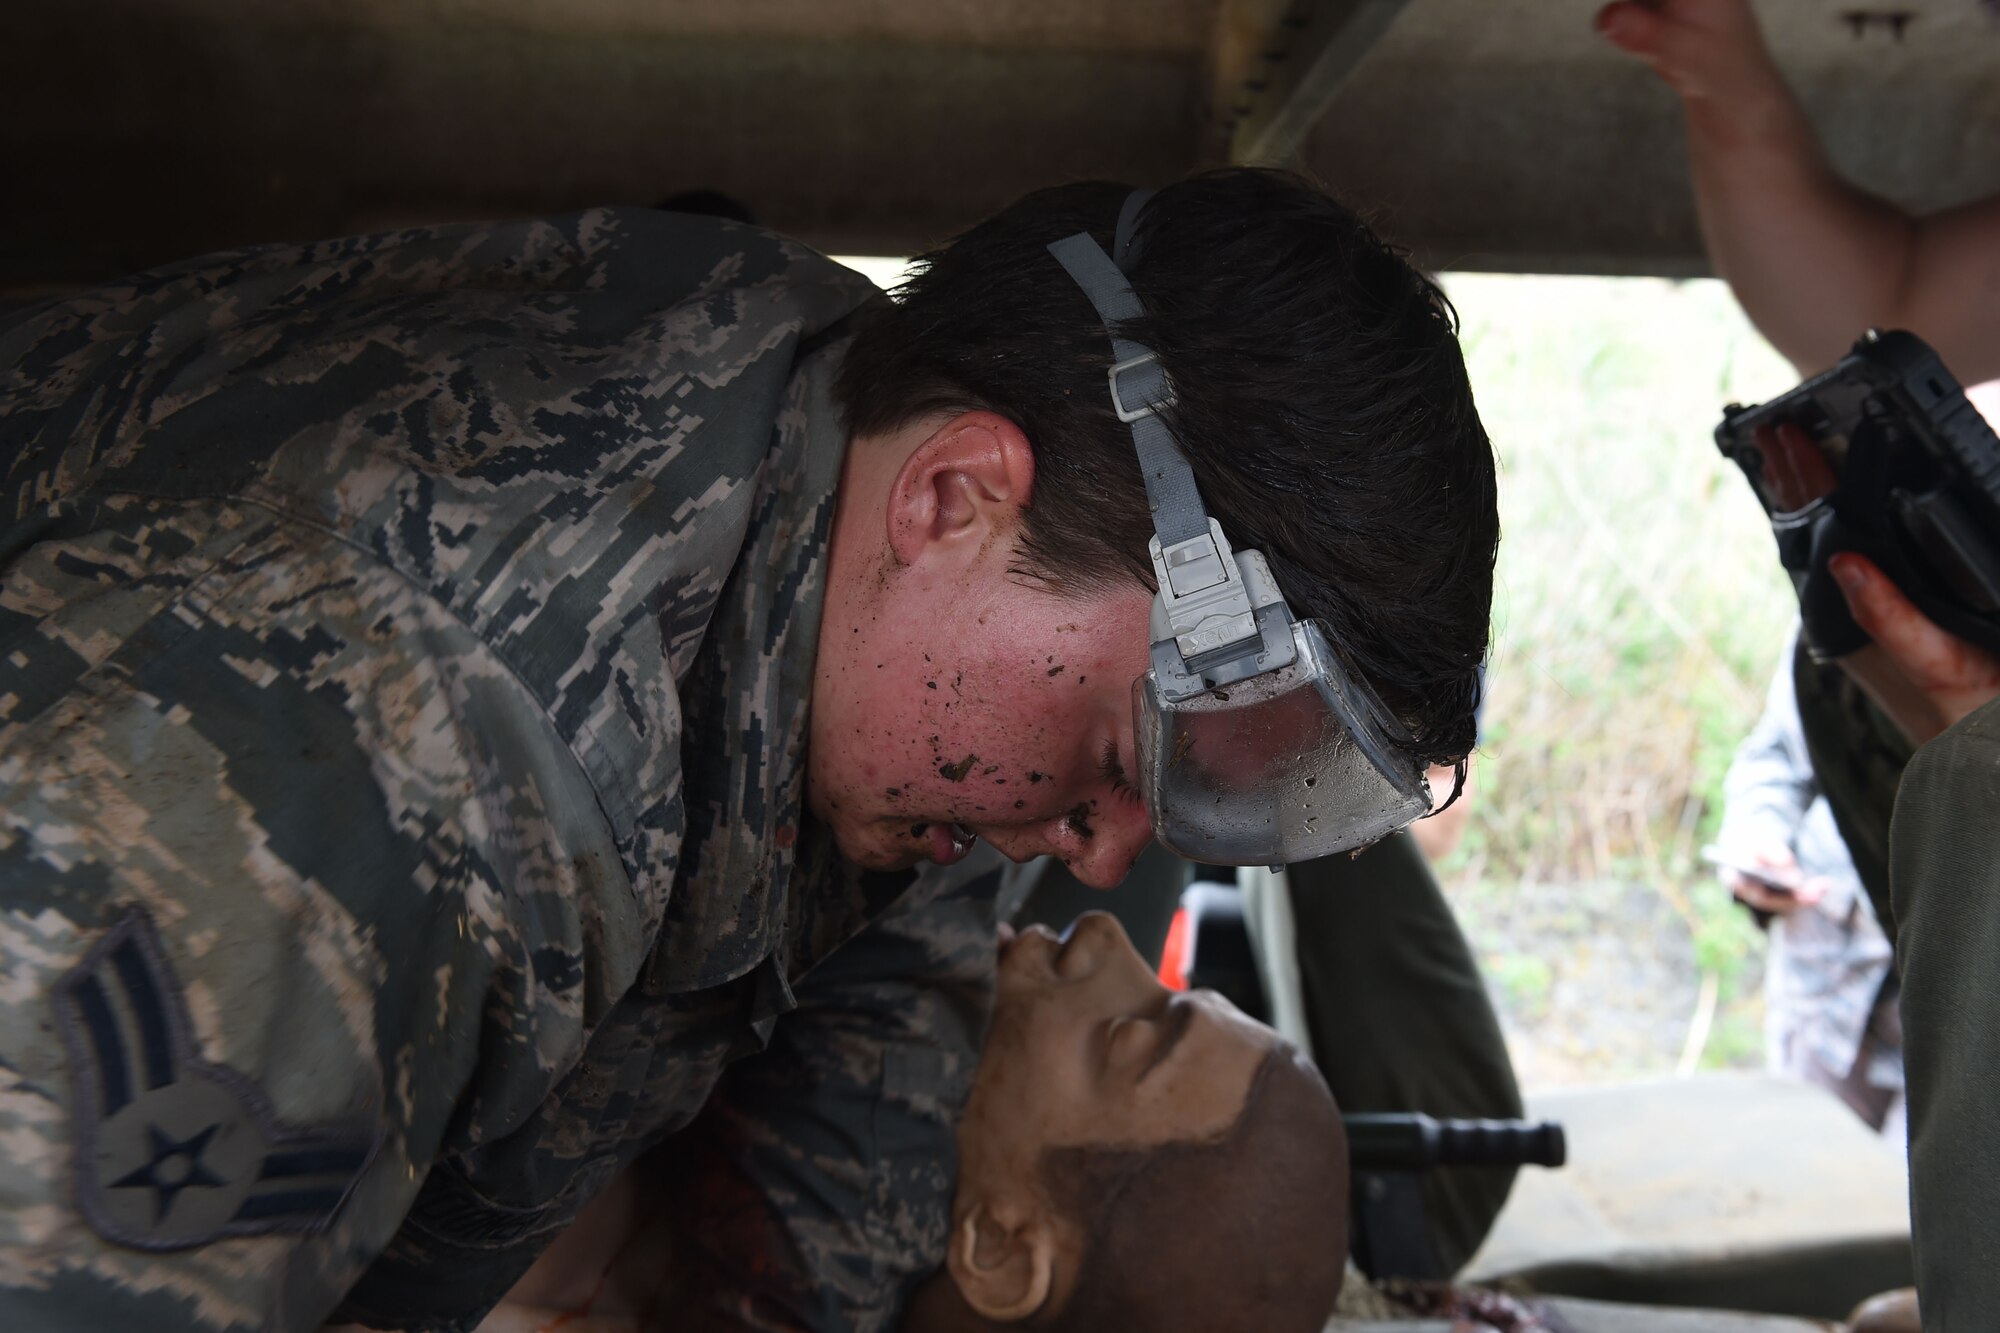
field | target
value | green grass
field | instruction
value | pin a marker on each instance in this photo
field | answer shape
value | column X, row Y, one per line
column 1525, row 979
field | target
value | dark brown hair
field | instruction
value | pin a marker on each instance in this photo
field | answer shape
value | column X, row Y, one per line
column 1322, row 401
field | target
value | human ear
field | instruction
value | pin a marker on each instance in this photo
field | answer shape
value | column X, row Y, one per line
column 1003, row 1262
column 969, row 478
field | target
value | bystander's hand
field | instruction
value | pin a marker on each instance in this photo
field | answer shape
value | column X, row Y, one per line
column 1708, row 51
column 1924, row 677
column 1779, row 892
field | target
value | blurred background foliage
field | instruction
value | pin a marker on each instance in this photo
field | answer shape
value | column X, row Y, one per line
column 1638, row 615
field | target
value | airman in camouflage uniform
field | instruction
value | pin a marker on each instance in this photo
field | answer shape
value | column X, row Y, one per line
column 1829, row 1006
column 404, row 650
column 406, row 646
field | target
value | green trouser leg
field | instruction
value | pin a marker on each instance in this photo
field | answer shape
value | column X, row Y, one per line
column 1400, row 1020
column 1945, row 880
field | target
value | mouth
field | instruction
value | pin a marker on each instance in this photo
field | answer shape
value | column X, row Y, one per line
column 951, row 843
column 1062, row 949
column 1035, row 939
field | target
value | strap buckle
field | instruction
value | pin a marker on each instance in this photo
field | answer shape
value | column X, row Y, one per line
column 1151, row 407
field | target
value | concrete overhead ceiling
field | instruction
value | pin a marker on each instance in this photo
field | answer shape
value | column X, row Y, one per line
column 1483, row 133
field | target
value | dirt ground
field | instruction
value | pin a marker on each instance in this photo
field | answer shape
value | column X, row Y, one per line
column 1598, row 982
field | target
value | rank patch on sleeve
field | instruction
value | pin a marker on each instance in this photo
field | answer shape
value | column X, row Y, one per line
column 173, row 1151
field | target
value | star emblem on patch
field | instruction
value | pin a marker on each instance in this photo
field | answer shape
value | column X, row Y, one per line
column 174, row 1166
column 174, row 1151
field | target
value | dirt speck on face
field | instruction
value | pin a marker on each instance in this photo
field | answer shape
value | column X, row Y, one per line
column 956, row 772
column 1033, row 776
column 895, row 791
column 1019, row 804
column 1056, row 670
column 930, row 684
column 989, row 771
column 1078, row 820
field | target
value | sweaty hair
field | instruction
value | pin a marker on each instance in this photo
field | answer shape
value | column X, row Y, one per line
column 1248, row 1232
column 1321, row 400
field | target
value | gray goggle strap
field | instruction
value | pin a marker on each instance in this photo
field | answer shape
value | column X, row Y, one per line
column 1139, row 384
column 1219, row 617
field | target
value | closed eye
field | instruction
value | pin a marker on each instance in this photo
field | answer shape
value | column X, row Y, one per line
column 1115, row 777
column 1160, row 1033
column 1179, row 1018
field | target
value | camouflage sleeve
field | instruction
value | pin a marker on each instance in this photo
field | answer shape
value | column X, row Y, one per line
column 826, row 1164
column 254, row 950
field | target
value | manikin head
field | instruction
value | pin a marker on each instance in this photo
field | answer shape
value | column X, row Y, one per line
column 1134, row 1157
column 988, row 582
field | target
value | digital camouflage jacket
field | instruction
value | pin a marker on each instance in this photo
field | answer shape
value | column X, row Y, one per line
column 405, row 647
column 1824, row 972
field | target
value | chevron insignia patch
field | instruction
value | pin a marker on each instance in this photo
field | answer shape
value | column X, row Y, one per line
column 173, row 1152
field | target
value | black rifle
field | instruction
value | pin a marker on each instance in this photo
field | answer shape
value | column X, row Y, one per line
column 1388, row 1154
column 1918, row 489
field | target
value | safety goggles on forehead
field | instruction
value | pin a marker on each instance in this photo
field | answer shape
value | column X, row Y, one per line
column 1256, row 746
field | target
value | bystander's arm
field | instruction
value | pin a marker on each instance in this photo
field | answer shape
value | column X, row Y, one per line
column 1766, row 793
column 1813, row 260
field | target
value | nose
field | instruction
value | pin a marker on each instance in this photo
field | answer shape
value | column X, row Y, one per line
column 1102, row 859
column 1101, row 951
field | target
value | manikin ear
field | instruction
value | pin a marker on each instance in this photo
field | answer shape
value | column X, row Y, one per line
column 1003, row 1261
column 968, row 479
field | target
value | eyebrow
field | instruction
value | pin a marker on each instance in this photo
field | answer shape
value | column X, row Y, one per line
column 1179, row 1018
